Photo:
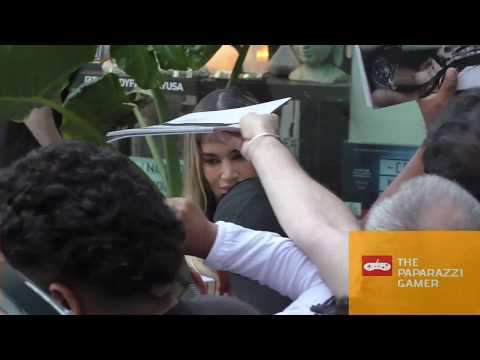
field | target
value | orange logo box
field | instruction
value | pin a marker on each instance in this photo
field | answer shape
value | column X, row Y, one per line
column 416, row 272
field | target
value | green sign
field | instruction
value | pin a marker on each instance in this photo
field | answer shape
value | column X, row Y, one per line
column 153, row 171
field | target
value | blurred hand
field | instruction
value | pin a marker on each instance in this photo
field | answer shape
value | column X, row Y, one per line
column 386, row 97
column 251, row 125
column 433, row 104
column 200, row 233
column 430, row 106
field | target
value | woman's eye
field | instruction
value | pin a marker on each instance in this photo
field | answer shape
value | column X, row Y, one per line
column 211, row 161
column 238, row 156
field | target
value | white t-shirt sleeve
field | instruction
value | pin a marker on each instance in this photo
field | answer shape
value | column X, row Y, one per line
column 273, row 261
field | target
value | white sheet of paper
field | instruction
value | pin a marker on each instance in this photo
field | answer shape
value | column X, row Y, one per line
column 230, row 116
column 201, row 122
column 168, row 130
column 367, row 92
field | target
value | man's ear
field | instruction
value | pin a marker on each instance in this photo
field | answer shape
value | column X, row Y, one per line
column 66, row 298
column 338, row 55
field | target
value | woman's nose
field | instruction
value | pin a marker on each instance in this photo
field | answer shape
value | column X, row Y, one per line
column 229, row 172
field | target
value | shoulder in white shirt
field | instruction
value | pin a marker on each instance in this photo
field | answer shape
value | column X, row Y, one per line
column 273, row 261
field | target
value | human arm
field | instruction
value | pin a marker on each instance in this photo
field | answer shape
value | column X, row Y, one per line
column 41, row 124
column 263, row 256
column 266, row 257
column 312, row 216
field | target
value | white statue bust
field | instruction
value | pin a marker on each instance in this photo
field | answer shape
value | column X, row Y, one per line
column 320, row 63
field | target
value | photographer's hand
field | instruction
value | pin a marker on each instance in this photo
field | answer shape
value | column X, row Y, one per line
column 200, row 234
column 433, row 104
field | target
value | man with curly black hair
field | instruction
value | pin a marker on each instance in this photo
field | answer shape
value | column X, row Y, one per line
column 88, row 226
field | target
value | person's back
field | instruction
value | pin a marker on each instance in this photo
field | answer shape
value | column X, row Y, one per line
column 88, row 227
column 247, row 205
column 212, row 305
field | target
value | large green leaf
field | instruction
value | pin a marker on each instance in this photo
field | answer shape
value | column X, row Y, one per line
column 184, row 57
column 145, row 64
column 35, row 75
column 102, row 103
column 138, row 61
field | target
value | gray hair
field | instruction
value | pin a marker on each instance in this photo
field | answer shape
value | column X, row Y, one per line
column 427, row 202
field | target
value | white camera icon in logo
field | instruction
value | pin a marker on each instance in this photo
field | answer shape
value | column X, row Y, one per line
column 372, row 266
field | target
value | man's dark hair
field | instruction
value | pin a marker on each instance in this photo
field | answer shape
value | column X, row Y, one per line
column 88, row 217
column 452, row 147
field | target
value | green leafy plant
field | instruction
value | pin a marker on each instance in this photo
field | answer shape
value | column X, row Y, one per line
column 34, row 76
column 103, row 102
column 147, row 65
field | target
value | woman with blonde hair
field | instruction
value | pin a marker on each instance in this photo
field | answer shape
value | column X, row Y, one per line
column 212, row 169
column 217, row 171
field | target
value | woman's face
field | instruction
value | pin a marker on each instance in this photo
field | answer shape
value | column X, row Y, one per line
column 223, row 166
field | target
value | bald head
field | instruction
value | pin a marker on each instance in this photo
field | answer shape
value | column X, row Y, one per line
column 427, row 202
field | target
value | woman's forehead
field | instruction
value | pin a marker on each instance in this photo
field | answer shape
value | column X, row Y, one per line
column 211, row 144
column 209, row 138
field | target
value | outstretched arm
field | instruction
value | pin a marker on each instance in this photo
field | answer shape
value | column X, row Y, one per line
column 312, row 216
column 260, row 255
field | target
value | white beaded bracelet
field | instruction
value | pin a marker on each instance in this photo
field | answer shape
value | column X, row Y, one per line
column 252, row 140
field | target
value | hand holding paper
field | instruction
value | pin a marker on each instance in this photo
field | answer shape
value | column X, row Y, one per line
column 201, row 122
column 251, row 125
